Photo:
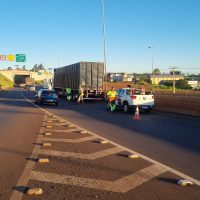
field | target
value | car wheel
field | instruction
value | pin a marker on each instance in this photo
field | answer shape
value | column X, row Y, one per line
column 126, row 108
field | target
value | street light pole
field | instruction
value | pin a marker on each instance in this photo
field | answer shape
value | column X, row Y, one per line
column 152, row 65
column 58, row 59
column 104, row 36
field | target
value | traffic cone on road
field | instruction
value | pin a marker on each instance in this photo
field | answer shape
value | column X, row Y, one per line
column 136, row 116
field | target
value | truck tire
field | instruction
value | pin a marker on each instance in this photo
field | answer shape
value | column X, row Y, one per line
column 126, row 108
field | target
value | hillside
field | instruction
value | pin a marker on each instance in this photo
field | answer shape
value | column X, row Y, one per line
column 5, row 81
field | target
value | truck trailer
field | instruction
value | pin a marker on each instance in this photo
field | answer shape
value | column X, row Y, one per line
column 86, row 75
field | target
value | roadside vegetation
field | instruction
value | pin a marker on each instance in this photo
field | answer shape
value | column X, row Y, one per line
column 5, row 82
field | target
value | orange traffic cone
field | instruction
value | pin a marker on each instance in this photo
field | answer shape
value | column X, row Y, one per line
column 137, row 114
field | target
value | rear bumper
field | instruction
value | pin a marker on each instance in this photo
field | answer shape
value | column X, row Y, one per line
column 142, row 107
column 49, row 100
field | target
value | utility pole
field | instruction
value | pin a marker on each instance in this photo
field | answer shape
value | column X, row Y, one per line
column 152, row 65
column 104, row 36
column 58, row 61
column 174, row 80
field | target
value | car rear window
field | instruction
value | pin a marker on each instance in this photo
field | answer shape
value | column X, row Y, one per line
column 48, row 92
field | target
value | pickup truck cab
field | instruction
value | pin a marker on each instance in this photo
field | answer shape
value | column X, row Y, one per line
column 129, row 98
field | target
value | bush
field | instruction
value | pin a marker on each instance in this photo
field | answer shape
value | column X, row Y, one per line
column 183, row 84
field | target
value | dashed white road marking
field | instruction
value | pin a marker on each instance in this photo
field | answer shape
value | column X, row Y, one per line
column 70, row 140
column 91, row 156
column 62, row 131
column 57, row 124
column 121, row 185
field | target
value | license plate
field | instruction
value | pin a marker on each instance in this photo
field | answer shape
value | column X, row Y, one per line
column 144, row 107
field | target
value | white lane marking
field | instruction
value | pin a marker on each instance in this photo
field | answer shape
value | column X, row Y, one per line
column 62, row 131
column 91, row 156
column 176, row 172
column 121, row 185
column 70, row 140
column 29, row 166
column 56, row 124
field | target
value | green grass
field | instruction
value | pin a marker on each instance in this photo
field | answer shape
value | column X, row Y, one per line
column 5, row 82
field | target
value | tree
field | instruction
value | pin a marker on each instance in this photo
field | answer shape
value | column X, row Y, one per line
column 36, row 68
column 24, row 67
column 182, row 84
column 156, row 71
column 175, row 72
column 9, row 68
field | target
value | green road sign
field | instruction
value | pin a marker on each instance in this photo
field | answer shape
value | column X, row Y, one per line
column 20, row 57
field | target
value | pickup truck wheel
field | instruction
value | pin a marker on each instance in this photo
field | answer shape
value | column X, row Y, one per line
column 148, row 110
column 126, row 108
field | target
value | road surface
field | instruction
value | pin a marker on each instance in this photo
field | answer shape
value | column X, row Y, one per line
column 79, row 164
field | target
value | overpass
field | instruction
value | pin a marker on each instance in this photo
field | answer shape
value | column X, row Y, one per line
column 18, row 76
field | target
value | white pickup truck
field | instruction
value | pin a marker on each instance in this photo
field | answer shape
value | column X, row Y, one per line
column 129, row 98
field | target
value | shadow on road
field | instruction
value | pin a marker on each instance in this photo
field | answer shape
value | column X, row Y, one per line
column 182, row 131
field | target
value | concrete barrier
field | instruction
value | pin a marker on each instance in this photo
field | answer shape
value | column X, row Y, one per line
column 188, row 104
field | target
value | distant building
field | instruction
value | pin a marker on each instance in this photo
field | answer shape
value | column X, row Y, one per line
column 193, row 84
column 119, row 77
column 156, row 79
column 115, row 76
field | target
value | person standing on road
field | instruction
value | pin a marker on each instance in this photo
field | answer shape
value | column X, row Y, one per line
column 69, row 94
column 81, row 94
column 112, row 96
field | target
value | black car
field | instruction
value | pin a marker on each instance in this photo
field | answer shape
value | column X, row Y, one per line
column 46, row 96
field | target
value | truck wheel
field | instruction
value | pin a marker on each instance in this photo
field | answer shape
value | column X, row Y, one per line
column 126, row 108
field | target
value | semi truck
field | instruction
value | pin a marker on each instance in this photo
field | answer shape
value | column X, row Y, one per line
column 86, row 75
column 47, row 84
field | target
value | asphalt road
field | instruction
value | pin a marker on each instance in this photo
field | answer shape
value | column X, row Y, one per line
column 170, row 139
column 19, row 123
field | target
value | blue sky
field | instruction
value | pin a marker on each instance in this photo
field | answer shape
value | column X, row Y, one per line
column 72, row 29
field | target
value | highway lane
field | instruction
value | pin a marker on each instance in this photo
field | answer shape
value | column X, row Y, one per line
column 170, row 139
column 19, row 123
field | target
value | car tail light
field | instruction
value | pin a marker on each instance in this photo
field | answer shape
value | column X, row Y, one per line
column 133, row 97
